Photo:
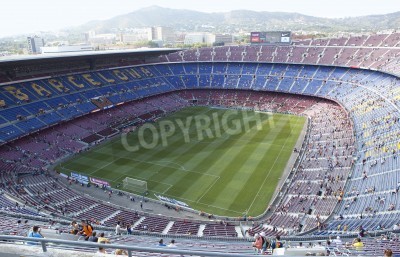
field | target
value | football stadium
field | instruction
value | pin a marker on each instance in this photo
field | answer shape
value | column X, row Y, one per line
column 264, row 148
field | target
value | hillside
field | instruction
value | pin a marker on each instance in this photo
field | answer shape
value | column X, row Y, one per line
column 239, row 20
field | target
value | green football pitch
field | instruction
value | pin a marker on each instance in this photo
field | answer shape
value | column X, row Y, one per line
column 220, row 161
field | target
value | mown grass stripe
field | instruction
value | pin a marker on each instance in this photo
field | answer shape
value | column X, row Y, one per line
column 235, row 175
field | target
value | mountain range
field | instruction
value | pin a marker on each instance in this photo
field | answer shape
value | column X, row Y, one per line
column 239, row 20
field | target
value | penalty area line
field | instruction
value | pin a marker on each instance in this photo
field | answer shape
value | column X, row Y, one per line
column 208, row 205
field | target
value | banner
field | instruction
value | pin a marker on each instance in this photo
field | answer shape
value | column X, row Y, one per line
column 99, row 182
column 63, row 175
column 80, row 178
column 172, row 201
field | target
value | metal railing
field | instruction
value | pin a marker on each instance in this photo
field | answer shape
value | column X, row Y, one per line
column 44, row 243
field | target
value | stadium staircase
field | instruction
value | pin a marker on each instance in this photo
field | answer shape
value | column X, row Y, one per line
column 137, row 223
column 68, row 201
column 201, row 229
column 168, row 227
column 91, row 207
column 239, row 232
column 110, row 217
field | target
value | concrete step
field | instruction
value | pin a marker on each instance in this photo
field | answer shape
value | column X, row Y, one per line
column 138, row 222
column 168, row 227
column 239, row 231
column 201, row 229
column 110, row 217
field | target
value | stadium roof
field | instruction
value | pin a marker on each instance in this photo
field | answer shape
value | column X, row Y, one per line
column 31, row 59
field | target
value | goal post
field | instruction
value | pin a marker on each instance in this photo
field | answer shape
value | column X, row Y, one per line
column 135, row 185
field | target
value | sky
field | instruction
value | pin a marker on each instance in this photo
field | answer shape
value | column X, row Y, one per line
column 29, row 16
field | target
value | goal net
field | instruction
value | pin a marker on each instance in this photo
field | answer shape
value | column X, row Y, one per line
column 135, row 185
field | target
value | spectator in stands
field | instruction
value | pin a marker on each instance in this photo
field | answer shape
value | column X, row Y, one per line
column 172, row 243
column 388, row 253
column 102, row 249
column 161, row 243
column 35, row 232
column 365, row 176
column 103, row 239
column 357, row 244
column 118, row 229
column 120, row 252
column 276, row 243
column 266, row 244
column 361, row 232
column 328, row 247
column 300, row 245
column 74, row 227
column 257, row 244
column 94, row 238
column 337, row 242
column 129, row 229
column 87, row 230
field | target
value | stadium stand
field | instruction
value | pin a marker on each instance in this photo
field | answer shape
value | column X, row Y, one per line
column 316, row 80
column 347, row 177
column 377, row 51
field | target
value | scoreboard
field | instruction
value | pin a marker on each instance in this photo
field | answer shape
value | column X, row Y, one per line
column 271, row 37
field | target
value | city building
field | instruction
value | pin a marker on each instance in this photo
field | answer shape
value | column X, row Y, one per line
column 134, row 35
column 207, row 38
column 165, row 34
column 195, row 38
column 34, row 44
column 100, row 39
column 223, row 38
